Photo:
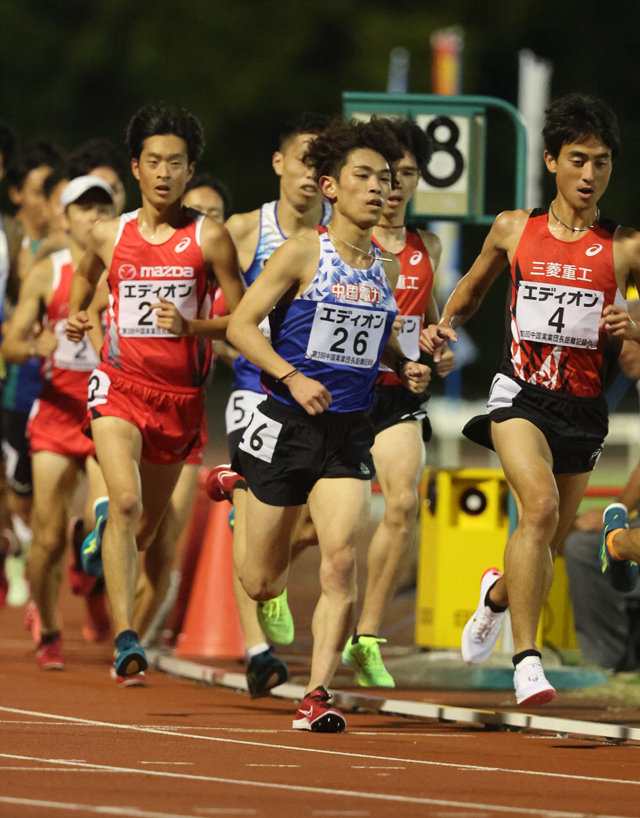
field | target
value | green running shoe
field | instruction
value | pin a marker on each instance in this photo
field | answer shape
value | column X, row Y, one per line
column 363, row 654
column 91, row 549
column 275, row 619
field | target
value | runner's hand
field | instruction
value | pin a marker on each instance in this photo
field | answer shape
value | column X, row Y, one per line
column 77, row 325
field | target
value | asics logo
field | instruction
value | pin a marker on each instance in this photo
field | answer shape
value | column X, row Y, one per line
column 182, row 245
column 416, row 258
column 308, row 712
column 593, row 250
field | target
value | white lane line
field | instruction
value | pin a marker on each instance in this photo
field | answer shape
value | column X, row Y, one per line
column 316, row 791
column 299, row 749
column 128, row 812
column 172, row 763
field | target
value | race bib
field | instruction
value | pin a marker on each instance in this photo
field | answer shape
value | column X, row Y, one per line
column 137, row 319
column 346, row 335
column 98, row 388
column 260, row 437
column 79, row 356
column 240, row 408
column 553, row 314
column 408, row 338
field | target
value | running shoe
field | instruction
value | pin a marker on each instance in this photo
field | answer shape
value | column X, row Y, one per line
column 15, row 571
column 315, row 714
column 129, row 657
column 481, row 632
column 622, row 574
column 363, row 653
column 97, row 627
column 49, row 654
column 265, row 672
column 531, row 684
column 91, row 550
column 221, row 481
column 137, row 680
column 275, row 619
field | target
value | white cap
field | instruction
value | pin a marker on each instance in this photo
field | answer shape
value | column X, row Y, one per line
column 79, row 186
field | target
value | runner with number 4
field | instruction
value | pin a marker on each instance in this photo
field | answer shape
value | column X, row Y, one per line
column 547, row 415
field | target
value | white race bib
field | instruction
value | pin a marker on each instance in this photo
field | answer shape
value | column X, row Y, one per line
column 136, row 318
column 346, row 335
column 408, row 338
column 79, row 356
column 553, row 314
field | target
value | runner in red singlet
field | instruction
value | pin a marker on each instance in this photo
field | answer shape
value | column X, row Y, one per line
column 547, row 416
column 146, row 398
column 59, row 449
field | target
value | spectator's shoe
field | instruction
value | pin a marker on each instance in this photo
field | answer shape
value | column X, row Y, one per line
column 622, row 574
column 530, row 683
column 91, row 550
column 129, row 657
column 137, row 680
column 481, row 632
column 363, row 654
column 315, row 714
column 49, row 653
column 265, row 672
column 275, row 619
column 97, row 628
column 221, row 482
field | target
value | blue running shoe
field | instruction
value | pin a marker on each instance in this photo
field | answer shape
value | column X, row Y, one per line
column 129, row 658
column 91, row 548
column 622, row 574
column 265, row 671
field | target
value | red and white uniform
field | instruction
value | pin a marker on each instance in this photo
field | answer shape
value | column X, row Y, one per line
column 140, row 274
column 412, row 295
column 558, row 292
column 58, row 415
column 148, row 376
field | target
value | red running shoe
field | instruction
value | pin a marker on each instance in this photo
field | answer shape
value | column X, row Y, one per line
column 49, row 654
column 315, row 714
column 221, row 481
column 137, row 680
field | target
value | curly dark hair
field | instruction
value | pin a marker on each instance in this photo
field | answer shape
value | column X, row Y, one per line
column 329, row 151
column 575, row 117
column 95, row 153
column 159, row 119
column 33, row 155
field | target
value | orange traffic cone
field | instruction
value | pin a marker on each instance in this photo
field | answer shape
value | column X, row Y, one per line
column 212, row 625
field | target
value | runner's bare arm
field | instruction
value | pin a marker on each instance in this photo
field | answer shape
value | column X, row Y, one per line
column 87, row 275
column 19, row 343
column 471, row 289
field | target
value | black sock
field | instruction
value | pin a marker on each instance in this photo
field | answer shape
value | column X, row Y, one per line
column 492, row 605
column 518, row 657
column 240, row 483
column 48, row 638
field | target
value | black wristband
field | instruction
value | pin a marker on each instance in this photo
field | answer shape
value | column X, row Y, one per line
column 288, row 375
column 399, row 364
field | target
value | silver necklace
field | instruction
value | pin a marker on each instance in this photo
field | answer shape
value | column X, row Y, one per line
column 575, row 229
column 333, row 233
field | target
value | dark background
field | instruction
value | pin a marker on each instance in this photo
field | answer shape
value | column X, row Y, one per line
column 70, row 70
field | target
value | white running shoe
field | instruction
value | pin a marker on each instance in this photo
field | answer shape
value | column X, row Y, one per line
column 531, row 684
column 481, row 632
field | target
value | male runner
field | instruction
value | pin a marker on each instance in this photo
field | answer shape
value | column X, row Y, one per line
column 330, row 308
column 547, row 417
column 59, row 449
column 257, row 234
column 146, row 398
